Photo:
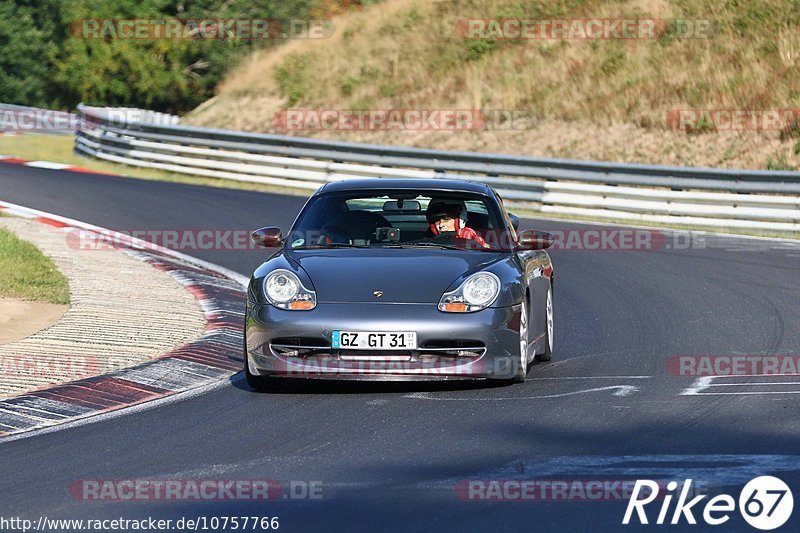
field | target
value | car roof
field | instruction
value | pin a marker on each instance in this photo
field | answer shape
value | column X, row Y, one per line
column 405, row 183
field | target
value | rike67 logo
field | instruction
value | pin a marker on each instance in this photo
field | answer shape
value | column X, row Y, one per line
column 765, row 503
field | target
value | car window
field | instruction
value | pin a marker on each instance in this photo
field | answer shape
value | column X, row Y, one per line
column 398, row 219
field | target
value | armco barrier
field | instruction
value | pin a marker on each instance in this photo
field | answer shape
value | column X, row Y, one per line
column 708, row 197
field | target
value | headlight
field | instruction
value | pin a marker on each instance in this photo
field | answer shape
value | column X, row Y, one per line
column 477, row 292
column 284, row 290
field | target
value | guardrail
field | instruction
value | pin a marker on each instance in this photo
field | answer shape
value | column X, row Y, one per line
column 21, row 119
column 707, row 197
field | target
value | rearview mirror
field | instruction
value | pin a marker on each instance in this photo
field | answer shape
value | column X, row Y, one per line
column 514, row 221
column 531, row 239
column 402, row 205
column 267, row 237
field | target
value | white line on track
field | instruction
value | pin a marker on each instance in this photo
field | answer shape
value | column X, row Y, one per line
column 592, row 377
column 48, row 165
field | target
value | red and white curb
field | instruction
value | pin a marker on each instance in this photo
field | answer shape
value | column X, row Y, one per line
column 213, row 357
column 49, row 165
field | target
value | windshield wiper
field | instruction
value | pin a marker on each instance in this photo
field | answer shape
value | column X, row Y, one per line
column 424, row 244
column 331, row 245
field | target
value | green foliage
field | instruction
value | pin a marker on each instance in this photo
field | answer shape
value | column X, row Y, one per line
column 388, row 89
column 792, row 131
column 412, row 19
column 294, row 77
column 45, row 61
column 363, row 103
column 704, row 125
column 347, row 86
column 779, row 164
column 29, row 274
column 25, row 56
column 477, row 48
column 613, row 62
column 750, row 17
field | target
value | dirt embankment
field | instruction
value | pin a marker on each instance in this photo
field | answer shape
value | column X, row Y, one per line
column 584, row 98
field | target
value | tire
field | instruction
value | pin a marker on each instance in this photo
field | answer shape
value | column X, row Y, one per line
column 548, row 330
column 521, row 370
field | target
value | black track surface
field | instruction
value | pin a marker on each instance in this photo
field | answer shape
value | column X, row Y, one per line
column 388, row 455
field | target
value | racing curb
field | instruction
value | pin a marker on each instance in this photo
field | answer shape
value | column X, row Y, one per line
column 214, row 356
column 49, row 165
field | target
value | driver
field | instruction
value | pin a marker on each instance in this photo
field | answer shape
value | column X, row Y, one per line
column 451, row 216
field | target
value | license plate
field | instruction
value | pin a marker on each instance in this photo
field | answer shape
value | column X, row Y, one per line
column 374, row 340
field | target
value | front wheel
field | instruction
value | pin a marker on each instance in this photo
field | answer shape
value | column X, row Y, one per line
column 521, row 372
column 548, row 331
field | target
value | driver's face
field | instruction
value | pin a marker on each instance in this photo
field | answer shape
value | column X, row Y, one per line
column 445, row 223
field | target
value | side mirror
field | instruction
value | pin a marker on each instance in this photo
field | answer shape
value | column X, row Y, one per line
column 531, row 239
column 267, row 237
column 514, row 221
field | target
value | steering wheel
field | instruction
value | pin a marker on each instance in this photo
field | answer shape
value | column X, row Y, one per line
column 336, row 236
column 447, row 237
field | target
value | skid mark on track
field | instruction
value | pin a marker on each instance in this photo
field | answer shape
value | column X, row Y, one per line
column 712, row 470
column 744, row 385
column 619, row 390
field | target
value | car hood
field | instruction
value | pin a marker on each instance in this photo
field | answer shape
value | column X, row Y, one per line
column 408, row 275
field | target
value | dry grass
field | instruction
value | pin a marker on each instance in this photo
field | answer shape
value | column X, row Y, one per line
column 598, row 99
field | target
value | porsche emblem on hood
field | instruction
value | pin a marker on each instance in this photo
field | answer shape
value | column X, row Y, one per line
column 377, row 294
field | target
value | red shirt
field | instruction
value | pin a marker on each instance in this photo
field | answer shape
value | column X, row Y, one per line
column 469, row 233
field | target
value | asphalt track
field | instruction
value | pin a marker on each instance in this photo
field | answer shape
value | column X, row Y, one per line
column 389, row 456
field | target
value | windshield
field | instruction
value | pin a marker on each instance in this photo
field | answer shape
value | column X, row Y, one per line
column 403, row 219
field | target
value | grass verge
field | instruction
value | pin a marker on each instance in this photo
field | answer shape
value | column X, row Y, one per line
column 29, row 274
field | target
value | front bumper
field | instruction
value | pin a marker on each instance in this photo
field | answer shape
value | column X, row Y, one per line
column 479, row 345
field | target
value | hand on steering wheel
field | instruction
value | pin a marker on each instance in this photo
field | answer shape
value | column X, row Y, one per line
column 333, row 235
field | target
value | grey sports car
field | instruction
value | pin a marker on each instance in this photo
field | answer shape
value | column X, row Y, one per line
column 400, row 279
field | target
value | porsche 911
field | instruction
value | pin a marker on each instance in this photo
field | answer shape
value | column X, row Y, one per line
column 400, row 279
